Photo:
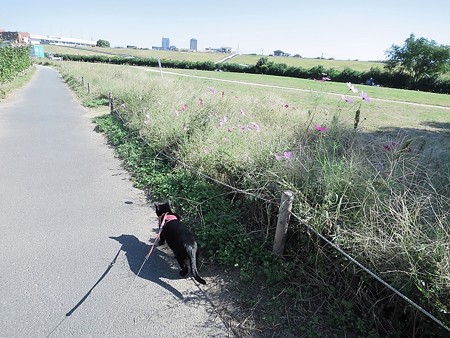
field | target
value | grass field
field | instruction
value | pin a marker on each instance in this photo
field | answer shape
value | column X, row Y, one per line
column 328, row 87
column 189, row 56
column 309, row 63
column 211, row 56
column 374, row 176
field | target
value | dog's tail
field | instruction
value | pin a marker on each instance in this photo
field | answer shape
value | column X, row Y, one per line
column 192, row 253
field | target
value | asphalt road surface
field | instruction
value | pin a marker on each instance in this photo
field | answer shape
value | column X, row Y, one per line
column 74, row 232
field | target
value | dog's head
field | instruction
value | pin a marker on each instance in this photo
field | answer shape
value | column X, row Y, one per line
column 162, row 208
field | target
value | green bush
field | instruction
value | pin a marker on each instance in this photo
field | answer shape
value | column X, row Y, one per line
column 13, row 60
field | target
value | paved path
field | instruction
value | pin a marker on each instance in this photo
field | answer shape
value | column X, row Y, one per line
column 63, row 196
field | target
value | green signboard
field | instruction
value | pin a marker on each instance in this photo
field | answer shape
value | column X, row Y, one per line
column 37, row 51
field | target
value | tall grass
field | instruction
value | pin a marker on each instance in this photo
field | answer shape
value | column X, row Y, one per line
column 374, row 197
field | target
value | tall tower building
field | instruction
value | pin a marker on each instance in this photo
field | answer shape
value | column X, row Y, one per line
column 193, row 44
column 165, row 43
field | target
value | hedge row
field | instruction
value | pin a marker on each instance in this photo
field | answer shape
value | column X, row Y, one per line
column 13, row 60
column 379, row 76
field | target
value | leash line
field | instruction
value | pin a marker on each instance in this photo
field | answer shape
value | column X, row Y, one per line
column 68, row 314
column 132, row 284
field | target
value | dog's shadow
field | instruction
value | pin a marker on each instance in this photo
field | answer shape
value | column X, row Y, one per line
column 156, row 266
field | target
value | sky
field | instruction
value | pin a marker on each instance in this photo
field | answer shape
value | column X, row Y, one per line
column 345, row 30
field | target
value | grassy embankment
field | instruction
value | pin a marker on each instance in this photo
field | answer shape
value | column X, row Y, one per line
column 188, row 56
column 211, row 56
column 19, row 81
column 364, row 181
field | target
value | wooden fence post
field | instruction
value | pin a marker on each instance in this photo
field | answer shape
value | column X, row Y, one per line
column 82, row 81
column 287, row 197
column 111, row 103
column 89, row 88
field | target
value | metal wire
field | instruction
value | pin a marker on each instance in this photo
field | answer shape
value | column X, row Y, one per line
column 372, row 274
column 310, row 228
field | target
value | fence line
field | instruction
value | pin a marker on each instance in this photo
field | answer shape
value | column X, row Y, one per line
column 372, row 274
column 310, row 228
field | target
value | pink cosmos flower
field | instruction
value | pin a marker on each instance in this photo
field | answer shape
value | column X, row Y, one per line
column 256, row 127
column 286, row 106
column 391, row 146
column 287, row 155
column 346, row 99
column 352, row 87
column 319, row 128
column 200, row 103
column 184, row 107
column 365, row 97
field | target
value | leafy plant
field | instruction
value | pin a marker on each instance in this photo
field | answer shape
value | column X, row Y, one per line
column 420, row 58
column 13, row 60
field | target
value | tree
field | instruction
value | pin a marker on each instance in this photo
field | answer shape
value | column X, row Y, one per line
column 263, row 65
column 103, row 43
column 421, row 59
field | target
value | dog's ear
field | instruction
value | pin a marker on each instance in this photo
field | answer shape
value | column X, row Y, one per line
column 169, row 204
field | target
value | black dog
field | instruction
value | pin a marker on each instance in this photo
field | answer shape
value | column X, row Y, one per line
column 179, row 239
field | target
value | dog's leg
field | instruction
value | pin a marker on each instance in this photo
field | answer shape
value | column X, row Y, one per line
column 183, row 265
column 162, row 239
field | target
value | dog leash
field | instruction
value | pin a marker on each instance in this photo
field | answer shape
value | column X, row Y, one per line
column 137, row 275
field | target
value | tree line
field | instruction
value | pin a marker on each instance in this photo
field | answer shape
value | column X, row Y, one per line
column 417, row 65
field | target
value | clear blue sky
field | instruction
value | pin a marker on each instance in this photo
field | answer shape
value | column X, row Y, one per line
column 341, row 29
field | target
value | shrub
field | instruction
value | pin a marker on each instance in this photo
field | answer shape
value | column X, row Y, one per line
column 13, row 60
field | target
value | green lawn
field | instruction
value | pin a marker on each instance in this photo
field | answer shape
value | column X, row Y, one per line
column 309, row 63
column 143, row 53
column 329, row 87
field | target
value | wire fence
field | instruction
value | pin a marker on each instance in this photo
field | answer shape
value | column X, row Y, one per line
column 117, row 114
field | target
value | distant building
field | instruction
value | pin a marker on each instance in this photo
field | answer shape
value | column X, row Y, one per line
column 62, row 41
column 193, row 44
column 280, row 53
column 165, row 45
column 224, row 49
column 219, row 50
column 19, row 38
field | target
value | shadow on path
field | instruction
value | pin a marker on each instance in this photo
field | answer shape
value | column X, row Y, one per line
column 156, row 266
